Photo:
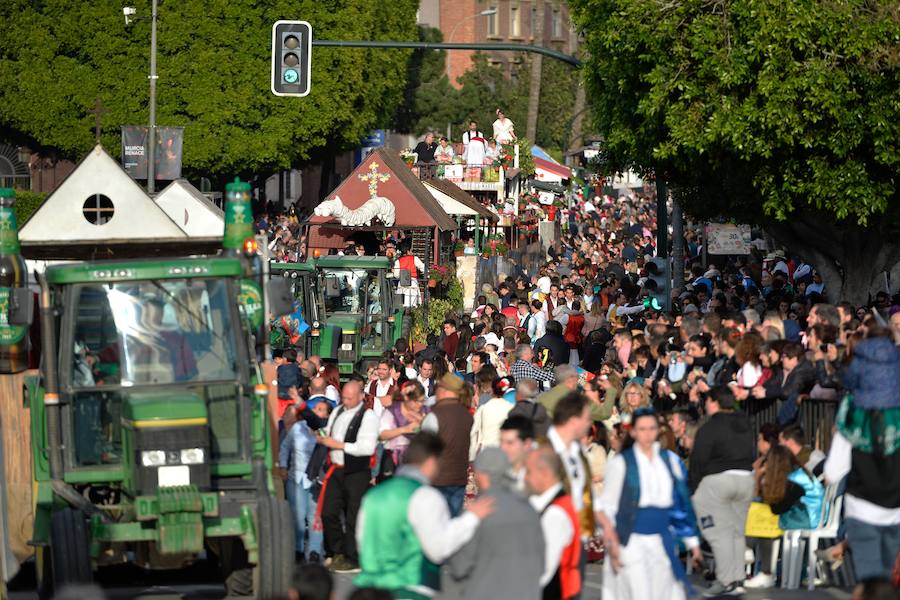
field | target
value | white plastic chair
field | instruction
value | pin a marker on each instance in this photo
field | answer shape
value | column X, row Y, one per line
column 792, row 542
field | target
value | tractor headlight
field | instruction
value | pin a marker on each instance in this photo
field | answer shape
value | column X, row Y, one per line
column 192, row 456
column 153, row 458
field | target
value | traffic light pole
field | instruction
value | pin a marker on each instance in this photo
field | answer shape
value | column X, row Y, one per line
column 507, row 46
column 151, row 136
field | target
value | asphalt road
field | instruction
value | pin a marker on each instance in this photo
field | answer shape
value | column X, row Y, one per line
column 200, row 583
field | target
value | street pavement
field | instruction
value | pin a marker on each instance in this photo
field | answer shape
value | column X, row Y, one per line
column 199, row 583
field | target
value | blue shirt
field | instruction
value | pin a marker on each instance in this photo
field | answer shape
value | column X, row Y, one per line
column 296, row 450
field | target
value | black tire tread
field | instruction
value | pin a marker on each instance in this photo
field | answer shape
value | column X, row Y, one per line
column 69, row 550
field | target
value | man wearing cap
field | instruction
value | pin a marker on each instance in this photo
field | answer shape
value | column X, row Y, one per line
column 406, row 530
column 505, row 558
column 452, row 421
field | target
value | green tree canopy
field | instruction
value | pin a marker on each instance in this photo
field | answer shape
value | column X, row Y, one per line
column 765, row 110
column 57, row 56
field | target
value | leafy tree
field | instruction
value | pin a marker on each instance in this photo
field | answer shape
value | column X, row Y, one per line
column 57, row 56
column 783, row 113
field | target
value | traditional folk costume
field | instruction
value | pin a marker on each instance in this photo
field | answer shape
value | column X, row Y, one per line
column 649, row 502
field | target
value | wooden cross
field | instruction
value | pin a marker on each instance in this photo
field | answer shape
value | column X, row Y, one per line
column 373, row 177
column 97, row 112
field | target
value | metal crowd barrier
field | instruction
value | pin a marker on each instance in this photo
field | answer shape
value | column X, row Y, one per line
column 815, row 416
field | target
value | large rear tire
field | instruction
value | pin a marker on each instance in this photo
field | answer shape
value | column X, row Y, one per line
column 271, row 576
column 69, row 552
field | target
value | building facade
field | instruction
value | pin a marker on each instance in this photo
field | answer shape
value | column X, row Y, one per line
column 498, row 21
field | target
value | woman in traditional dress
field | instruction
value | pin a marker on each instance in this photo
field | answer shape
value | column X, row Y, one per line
column 645, row 505
column 504, row 129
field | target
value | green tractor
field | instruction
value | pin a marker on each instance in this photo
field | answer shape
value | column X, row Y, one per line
column 353, row 310
column 150, row 427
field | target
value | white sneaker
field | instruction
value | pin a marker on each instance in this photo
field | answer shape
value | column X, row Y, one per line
column 759, row 581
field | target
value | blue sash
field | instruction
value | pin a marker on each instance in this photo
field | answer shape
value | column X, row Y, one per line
column 656, row 521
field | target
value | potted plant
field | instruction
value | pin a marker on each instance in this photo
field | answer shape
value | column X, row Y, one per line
column 459, row 249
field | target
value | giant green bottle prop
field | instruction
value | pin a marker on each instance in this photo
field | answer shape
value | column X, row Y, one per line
column 238, row 229
column 13, row 274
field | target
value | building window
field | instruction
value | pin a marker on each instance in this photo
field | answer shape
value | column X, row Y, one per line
column 557, row 24
column 515, row 25
column 492, row 21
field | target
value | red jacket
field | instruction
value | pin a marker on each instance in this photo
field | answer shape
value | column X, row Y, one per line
column 573, row 334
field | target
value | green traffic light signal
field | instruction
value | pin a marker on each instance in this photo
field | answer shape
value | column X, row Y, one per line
column 291, row 76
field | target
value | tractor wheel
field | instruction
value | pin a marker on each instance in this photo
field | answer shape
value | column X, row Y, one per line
column 69, row 553
column 275, row 537
column 271, row 576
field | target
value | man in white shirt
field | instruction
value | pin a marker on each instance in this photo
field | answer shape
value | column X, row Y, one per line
column 562, row 546
column 540, row 320
column 471, row 133
column 379, row 392
column 351, row 434
column 571, row 422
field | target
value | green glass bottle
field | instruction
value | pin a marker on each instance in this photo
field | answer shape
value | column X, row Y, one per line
column 13, row 274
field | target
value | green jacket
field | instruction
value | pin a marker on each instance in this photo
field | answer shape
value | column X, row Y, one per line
column 391, row 556
column 598, row 412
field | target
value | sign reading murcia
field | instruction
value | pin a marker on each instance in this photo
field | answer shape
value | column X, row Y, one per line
column 727, row 238
column 376, row 207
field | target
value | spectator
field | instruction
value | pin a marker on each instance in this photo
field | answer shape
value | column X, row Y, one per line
column 722, row 483
column 504, row 130
column 516, row 438
column 489, row 417
column 450, row 419
column 793, row 438
column 513, row 525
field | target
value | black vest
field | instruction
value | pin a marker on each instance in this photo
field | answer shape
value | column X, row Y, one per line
column 354, row 464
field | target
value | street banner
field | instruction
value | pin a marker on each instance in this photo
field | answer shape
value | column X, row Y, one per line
column 726, row 238
column 169, row 144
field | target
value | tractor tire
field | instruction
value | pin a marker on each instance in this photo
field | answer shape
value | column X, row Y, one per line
column 271, row 576
column 275, row 536
column 69, row 552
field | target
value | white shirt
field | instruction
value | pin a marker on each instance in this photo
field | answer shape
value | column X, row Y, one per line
column 439, row 535
column 557, row 528
column 366, row 437
column 486, row 425
column 540, row 325
column 469, row 135
column 332, row 393
column 656, row 484
column 571, row 458
column 381, row 390
column 837, row 465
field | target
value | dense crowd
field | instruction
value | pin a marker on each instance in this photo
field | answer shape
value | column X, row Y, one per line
column 564, row 420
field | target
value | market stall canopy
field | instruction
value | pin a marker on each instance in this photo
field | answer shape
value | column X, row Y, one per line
column 192, row 211
column 456, row 201
column 359, row 201
column 99, row 211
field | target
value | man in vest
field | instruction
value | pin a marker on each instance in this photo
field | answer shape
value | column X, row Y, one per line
column 351, row 434
column 406, row 530
column 544, row 475
column 413, row 265
column 380, row 391
column 453, row 422
column 571, row 422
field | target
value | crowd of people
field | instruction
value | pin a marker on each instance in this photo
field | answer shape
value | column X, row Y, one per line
column 565, row 420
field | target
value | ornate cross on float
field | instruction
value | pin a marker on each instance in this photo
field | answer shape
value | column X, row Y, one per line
column 373, row 177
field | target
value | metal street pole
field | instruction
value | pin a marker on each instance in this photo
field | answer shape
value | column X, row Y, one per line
column 151, row 151
column 677, row 244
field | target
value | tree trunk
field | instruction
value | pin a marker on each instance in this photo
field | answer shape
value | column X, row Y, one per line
column 849, row 258
column 534, row 91
column 677, row 244
column 575, row 140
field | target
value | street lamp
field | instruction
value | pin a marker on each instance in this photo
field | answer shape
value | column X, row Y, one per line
column 485, row 13
column 150, row 151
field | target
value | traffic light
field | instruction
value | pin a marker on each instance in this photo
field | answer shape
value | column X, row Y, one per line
column 291, row 58
column 659, row 284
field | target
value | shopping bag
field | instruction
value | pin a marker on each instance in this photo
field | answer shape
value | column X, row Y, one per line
column 762, row 522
